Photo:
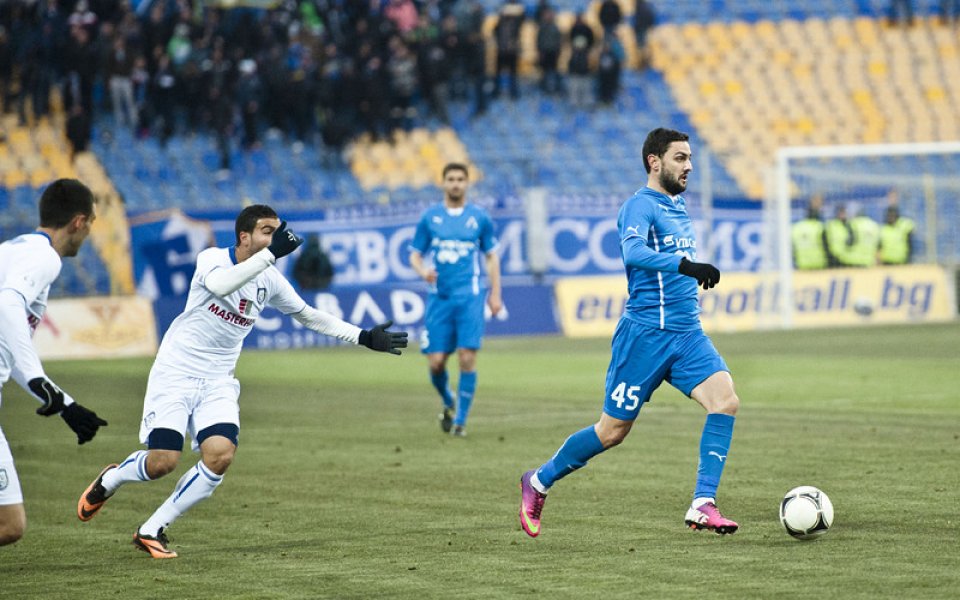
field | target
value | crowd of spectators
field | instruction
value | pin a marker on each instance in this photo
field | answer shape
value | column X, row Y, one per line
column 334, row 68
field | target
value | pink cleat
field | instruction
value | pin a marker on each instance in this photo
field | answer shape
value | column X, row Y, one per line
column 531, row 503
column 708, row 516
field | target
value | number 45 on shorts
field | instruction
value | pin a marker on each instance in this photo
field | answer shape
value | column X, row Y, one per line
column 626, row 397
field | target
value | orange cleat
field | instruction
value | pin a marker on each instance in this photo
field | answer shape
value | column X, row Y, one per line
column 94, row 497
column 154, row 546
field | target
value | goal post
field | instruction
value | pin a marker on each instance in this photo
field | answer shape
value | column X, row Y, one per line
column 922, row 179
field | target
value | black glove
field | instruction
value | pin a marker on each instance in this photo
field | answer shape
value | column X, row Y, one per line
column 51, row 395
column 706, row 274
column 284, row 241
column 381, row 340
column 83, row 421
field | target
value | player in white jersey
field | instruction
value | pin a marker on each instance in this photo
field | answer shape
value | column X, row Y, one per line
column 191, row 386
column 28, row 265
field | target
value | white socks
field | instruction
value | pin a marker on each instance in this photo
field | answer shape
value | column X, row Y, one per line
column 196, row 484
column 134, row 468
column 698, row 502
column 535, row 482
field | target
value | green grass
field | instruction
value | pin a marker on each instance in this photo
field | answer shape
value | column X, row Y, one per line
column 344, row 487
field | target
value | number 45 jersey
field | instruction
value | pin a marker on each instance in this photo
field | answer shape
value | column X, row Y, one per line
column 458, row 239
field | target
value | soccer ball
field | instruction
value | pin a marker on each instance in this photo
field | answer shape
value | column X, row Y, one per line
column 806, row 512
column 863, row 307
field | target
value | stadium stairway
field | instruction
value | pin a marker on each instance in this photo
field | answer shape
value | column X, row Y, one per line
column 32, row 157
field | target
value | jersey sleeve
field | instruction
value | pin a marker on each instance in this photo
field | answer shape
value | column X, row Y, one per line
column 488, row 236
column 283, row 297
column 32, row 274
column 421, row 237
column 207, row 261
column 15, row 337
column 223, row 280
column 636, row 220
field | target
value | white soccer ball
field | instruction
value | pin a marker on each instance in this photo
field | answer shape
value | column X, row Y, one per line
column 806, row 512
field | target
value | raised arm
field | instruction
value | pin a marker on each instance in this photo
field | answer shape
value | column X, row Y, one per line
column 224, row 282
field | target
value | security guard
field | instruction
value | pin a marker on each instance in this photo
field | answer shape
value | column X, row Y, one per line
column 896, row 238
column 809, row 245
column 839, row 237
column 866, row 240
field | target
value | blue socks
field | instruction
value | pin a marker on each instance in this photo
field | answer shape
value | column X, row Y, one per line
column 465, row 391
column 714, row 446
column 439, row 381
column 573, row 454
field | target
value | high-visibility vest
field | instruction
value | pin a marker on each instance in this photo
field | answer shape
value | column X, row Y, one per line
column 838, row 241
column 808, row 249
column 895, row 241
column 866, row 240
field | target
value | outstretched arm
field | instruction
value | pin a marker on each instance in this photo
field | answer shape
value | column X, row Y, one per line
column 378, row 338
column 327, row 324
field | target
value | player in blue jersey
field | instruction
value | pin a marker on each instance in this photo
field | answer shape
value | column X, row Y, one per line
column 456, row 233
column 658, row 338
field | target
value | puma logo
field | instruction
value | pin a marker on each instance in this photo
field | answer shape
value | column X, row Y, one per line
column 720, row 457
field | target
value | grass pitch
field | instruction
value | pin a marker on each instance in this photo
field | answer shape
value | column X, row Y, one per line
column 344, row 486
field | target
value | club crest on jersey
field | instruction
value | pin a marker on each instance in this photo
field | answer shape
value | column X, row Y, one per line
column 4, row 479
column 261, row 295
column 244, row 306
column 472, row 223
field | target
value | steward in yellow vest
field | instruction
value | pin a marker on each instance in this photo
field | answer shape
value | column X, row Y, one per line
column 809, row 245
column 866, row 240
column 839, row 237
column 896, row 238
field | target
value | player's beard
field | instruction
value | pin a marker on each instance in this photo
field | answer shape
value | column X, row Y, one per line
column 456, row 197
column 671, row 184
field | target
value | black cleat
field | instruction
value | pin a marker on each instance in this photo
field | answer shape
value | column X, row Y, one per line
column 446, row 419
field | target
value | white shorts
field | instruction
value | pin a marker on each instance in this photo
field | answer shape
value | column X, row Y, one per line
column 188, row 404
column 10, row 492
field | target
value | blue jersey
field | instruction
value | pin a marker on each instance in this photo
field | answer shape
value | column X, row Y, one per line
column 655, row 233
column 454, row 237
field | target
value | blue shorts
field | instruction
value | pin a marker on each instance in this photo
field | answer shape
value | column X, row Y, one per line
column 642, row 358
column 453, row 322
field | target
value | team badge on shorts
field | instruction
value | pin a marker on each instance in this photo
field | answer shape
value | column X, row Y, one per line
column 4, row 480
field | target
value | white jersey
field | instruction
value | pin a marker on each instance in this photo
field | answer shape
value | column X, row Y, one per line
column 205, row 340
column 28, row 265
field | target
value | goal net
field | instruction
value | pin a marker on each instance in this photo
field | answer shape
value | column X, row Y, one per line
column 921, row 180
